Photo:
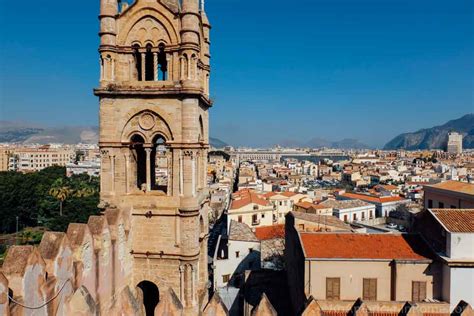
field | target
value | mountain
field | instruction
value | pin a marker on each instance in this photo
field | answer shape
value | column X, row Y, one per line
column 318, row 142
column 27, row 133
column 30, row 133
column 217, row 143
column 436, row 137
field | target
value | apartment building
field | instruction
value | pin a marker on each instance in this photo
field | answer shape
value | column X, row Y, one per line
column 36, row 159
column 348, row 266
column 449, row 194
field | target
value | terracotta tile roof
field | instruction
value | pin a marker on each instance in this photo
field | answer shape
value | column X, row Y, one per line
column 270, row 232
column 244, row 197
column 308, row 205
column 455, row 220
column 364, row 246
column 457, row 186
column 373, row 199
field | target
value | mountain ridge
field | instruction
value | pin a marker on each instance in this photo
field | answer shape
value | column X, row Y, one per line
column 435, row 137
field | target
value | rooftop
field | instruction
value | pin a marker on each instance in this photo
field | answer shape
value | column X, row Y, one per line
column 325, row 220
column 344, row 204
column 270, row 232
column 456, row 186
column 370, row 198
column 241, row 231
column 455, row 220
column 245, row 197
column 364, row 246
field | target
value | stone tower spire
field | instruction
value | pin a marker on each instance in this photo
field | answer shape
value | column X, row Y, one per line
column 154, row 139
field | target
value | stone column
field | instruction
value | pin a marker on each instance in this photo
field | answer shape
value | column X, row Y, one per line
column 181, row 179
column 112, row 171
column 182, row 60
column 148, row 169
column 181, row 283
column 193, row 284
column 101, row 68
column 143, row 66
column 169, row 66
column 155, row 66
column 113, row 69
column 127, row 171
column 193, row 172
column 189, row 68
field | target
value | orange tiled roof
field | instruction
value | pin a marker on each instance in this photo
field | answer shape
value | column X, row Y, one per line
column 457, row 186
column 455, row 220
column 363, row 246
column 244, row 197
column 270, row 232
column 369, row 198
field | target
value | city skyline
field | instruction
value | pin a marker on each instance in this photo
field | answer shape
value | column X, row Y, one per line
column 354, row 77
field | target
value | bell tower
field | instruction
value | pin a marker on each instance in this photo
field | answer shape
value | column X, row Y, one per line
column 154, row 139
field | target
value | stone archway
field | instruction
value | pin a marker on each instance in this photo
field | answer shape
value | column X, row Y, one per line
column 151, row 296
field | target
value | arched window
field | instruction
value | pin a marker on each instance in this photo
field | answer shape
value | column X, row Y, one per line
column 136, row 145
column 162, row 63
column 151, row 296
column 149, row 64
column 138, row 61
column 159, row 165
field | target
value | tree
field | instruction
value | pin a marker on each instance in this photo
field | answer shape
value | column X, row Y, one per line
column 61, row 192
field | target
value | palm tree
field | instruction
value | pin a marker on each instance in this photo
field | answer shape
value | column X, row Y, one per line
column 61, row 193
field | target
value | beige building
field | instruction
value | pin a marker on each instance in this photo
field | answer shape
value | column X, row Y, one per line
column 250, row 208
column 346, row 266
column 154, row 139
column 4, row 159
column 36, row 159
column 449, row 194
column 454, row 143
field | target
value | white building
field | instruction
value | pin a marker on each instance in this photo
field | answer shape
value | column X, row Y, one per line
column 450, row 232
column 234, row 254
column 454, row 143
column 351, row 210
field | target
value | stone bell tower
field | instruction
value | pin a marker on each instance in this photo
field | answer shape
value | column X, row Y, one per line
column 154, row 101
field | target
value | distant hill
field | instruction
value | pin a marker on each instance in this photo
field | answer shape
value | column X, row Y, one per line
column 217, row 143
column 29, row 133
column 436, row 137
column 317, row 142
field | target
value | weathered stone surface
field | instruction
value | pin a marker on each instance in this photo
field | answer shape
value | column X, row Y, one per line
column 81, row 303
column 215, row 307
column 264, row 308
column 169, row 304
column 4, row 306
column 312, row 308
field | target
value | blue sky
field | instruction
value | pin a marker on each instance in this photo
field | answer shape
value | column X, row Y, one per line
column 365, row 69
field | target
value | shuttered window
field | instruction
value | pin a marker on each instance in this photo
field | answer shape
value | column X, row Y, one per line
column 418, row 291
column 333, row 288
column 369, row 291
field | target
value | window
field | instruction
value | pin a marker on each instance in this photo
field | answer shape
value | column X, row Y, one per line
column 225, row 278
column 430, row 203
column 363, row 215
column 333, row 288
column 453, row 206
column 345, row 218
column 371, row 215
column 255, row 220
column 237, row 254
column 355, row 217
column 369, row 292
column 263, row 215
column 418, row 291
column 240, row 219
column 441, row 205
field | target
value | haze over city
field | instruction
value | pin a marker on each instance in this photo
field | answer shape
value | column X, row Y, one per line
column 284, row 70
